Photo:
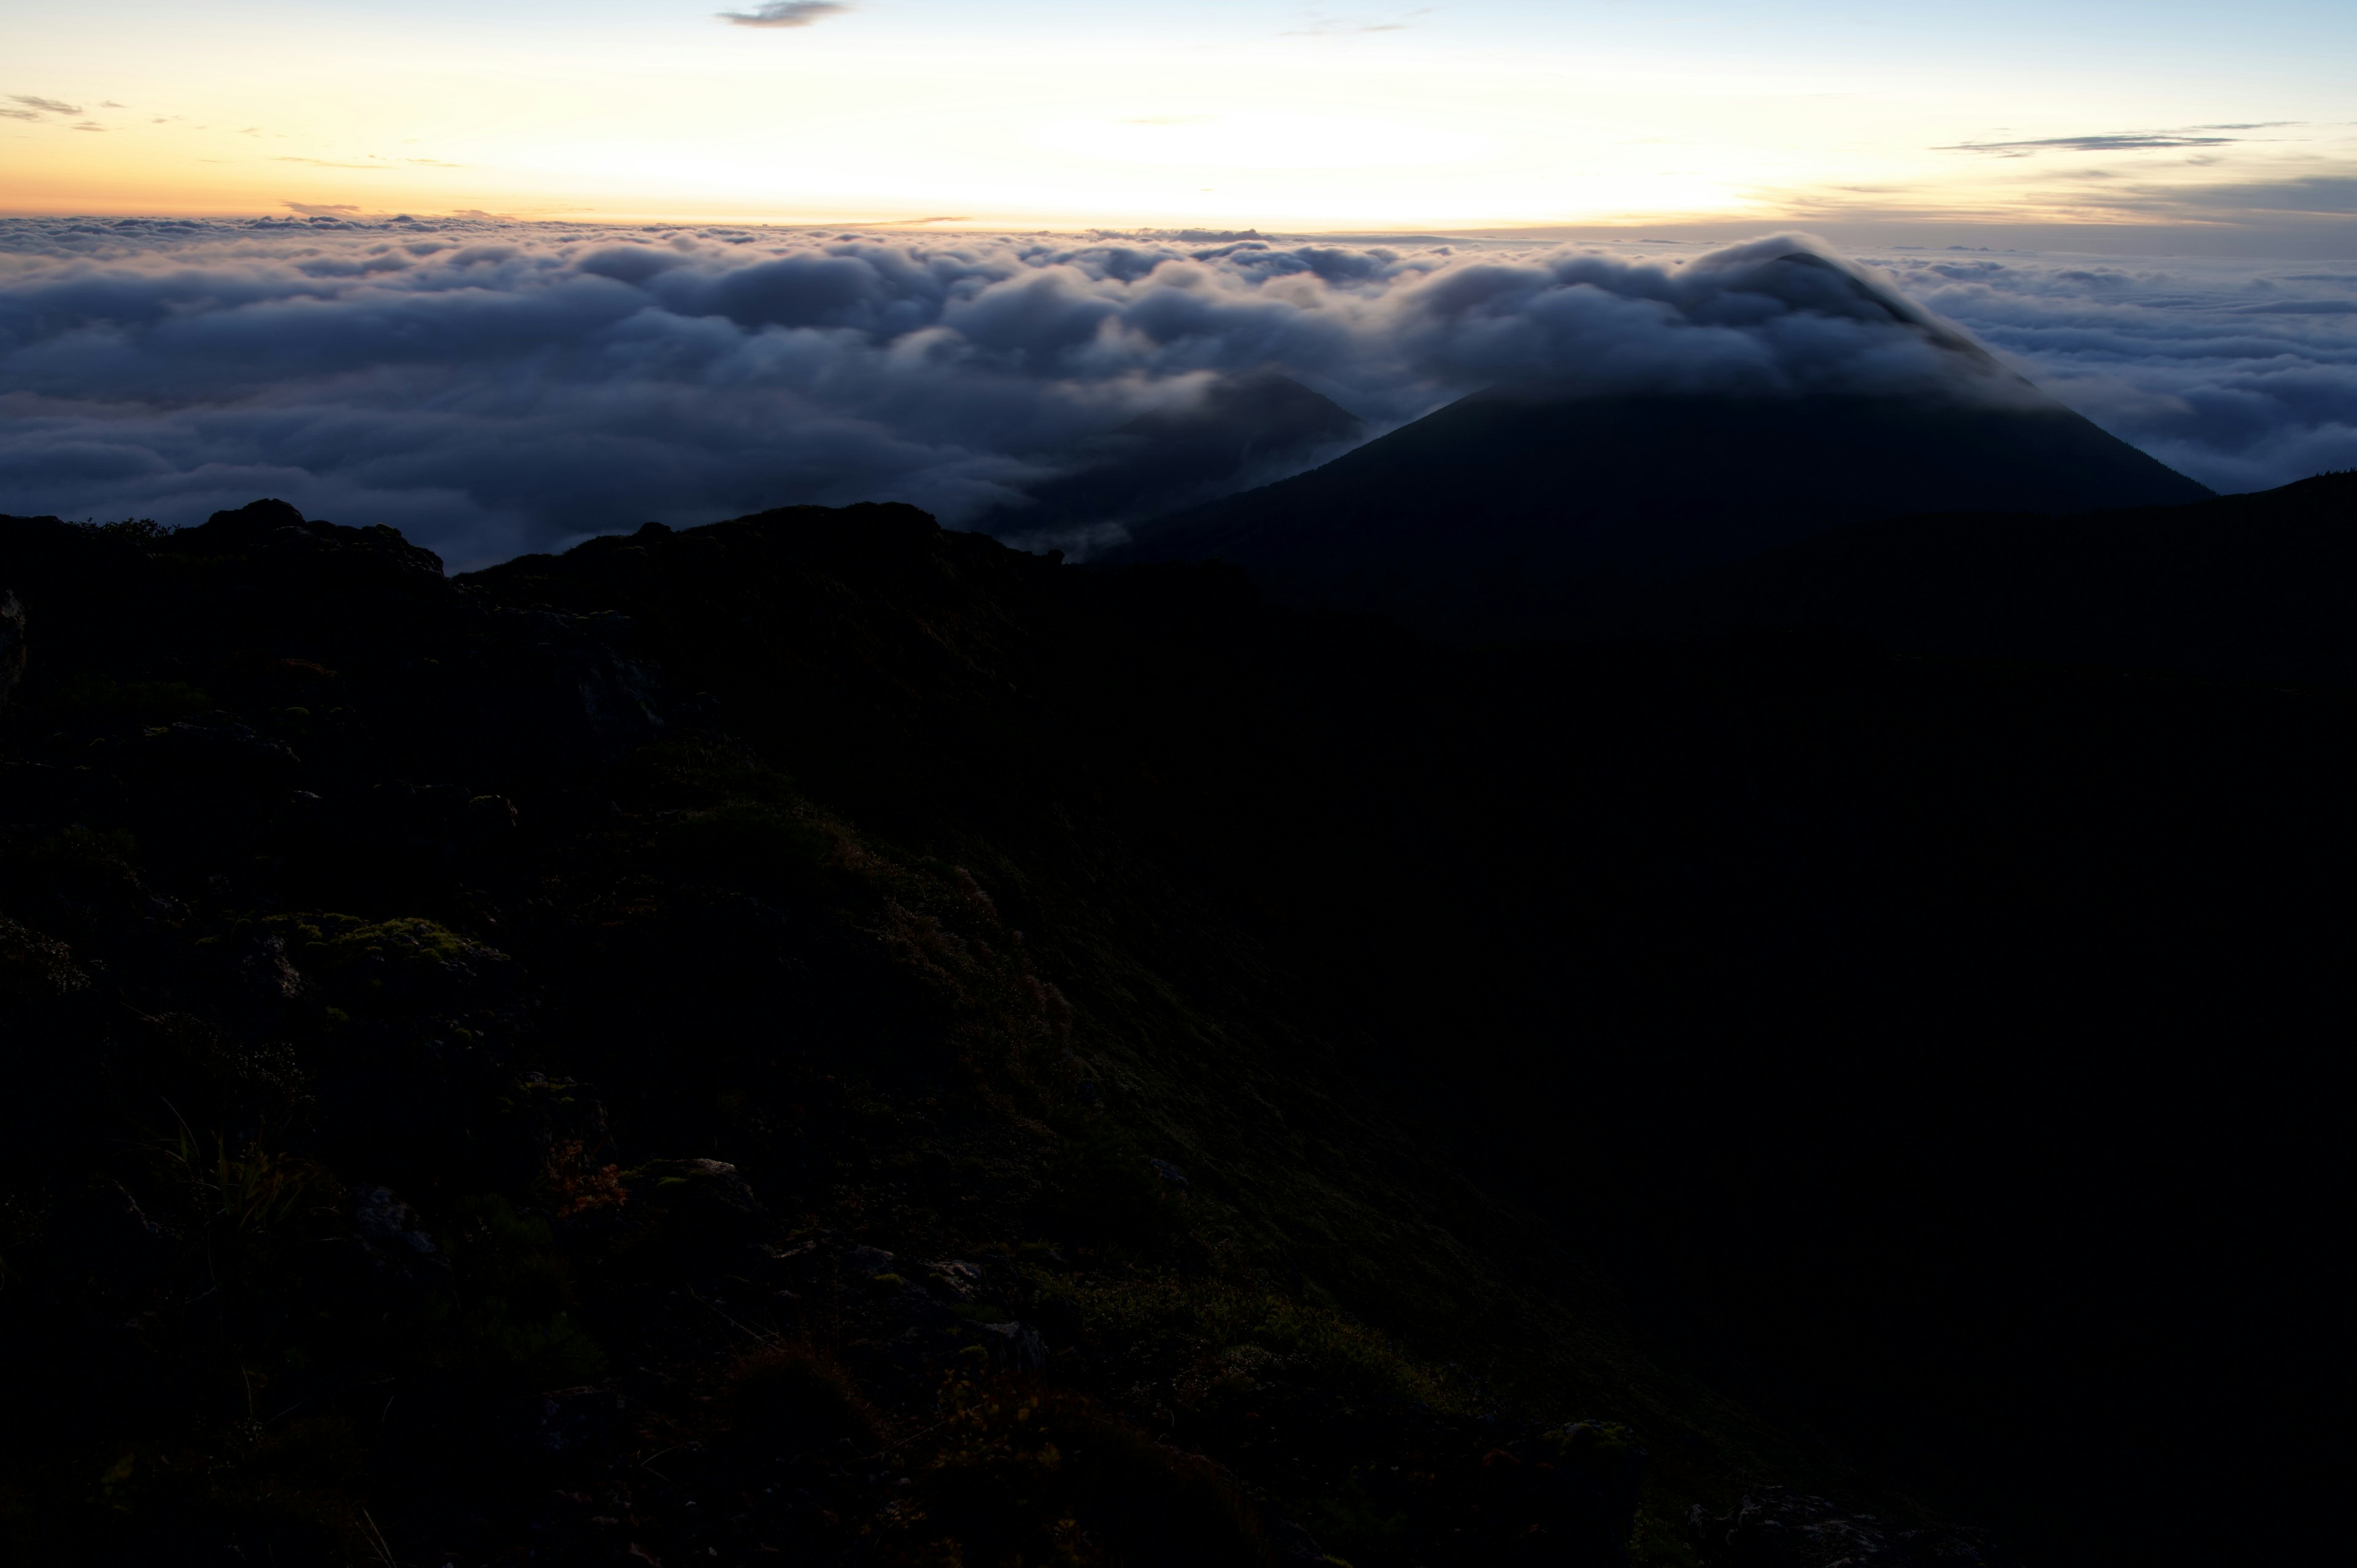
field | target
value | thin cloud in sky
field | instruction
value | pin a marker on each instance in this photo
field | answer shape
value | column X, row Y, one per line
column 46, row 105
column 784, row 14
column 1327, row 27
column 2332, row 194
column 2117, row 142
column 20, row 114
column 379, row 165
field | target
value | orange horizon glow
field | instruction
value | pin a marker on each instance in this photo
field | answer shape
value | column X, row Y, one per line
column 1499, row 116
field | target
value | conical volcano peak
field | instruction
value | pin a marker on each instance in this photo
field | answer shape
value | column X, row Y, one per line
column 1780, row 316
column 1827, row 323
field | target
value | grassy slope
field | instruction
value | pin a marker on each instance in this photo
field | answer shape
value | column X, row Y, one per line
column 348, row 909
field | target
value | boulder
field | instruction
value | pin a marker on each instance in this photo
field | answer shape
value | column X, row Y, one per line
column 706, row 1210
column 1015, row 1347
column 398, row 1253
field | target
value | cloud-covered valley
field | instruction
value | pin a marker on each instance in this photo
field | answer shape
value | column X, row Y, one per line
column 491, row 387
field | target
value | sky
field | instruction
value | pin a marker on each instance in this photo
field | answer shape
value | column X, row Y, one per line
column 507, row 273
column 2177, row 127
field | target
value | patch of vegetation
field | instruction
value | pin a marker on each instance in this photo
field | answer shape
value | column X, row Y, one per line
column 745, row 844
column 135, row 530
column 1303, row 1338
column 135, row 702
column 700, row 774
column 514, row 1294
column 1034, row 1475
column 796, row 1400
column 335, row 943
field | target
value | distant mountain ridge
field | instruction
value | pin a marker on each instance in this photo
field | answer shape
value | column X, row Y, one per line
column 1240, row 428
column 1521, row 512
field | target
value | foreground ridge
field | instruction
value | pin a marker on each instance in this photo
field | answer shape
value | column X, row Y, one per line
column 817, row 1034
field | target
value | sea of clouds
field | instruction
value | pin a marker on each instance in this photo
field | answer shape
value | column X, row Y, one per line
column 492, row 388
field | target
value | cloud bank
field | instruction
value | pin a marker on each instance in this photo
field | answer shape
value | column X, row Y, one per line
column 2240, row 374
column 492, row 387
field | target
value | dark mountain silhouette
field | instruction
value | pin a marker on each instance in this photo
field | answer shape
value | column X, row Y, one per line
column 1522, row 512
column 2255, row 588
column 1238, row 428
column 820, row 1034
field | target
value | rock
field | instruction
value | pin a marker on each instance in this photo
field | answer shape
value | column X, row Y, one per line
column 708, row 1211
column 242, row 527
column 568, row 1422
column 953, row 1281
column 1169, row 1173
column 1778, row 1528
column 280, row 539
column 398, row 1250
column 1015, row 1347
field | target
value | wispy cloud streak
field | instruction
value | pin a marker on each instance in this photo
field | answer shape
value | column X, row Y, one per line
column 2117, row 142
column 784, row 13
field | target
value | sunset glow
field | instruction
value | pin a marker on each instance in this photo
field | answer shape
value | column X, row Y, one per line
column 1494, row 114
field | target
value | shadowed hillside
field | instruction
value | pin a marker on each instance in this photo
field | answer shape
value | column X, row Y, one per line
column 820, row 1037
column 1513, row 512
column 2255, row 588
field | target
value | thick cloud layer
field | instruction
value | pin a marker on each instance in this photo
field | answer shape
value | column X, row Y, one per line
column 492, row 388
column 2240, row 374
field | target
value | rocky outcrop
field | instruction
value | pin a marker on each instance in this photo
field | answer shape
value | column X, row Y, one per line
column 322, row 621
column 1777, row 1527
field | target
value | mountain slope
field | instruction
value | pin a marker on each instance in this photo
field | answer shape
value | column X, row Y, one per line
column 467, row 1093
column 2260, row 586
column 1515, row 513
column 1328, row 1052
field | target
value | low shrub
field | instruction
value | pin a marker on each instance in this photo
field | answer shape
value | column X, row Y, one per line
column 797, row 1402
